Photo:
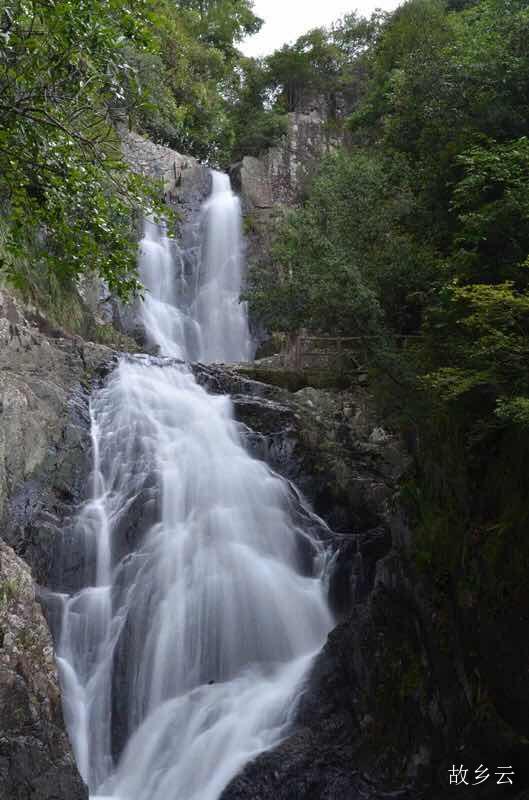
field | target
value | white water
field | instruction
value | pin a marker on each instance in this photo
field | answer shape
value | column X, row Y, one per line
column 201, row 615
column 221, row 317
column 199, row 316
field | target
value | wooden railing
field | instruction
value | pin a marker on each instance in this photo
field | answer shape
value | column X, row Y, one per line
column 303, row 351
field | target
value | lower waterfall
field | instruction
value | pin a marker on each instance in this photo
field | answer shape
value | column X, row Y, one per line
column 202, row 603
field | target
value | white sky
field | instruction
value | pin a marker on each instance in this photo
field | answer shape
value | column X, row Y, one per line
column 286, row 20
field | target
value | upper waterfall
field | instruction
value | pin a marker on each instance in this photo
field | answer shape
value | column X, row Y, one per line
column 197, row 314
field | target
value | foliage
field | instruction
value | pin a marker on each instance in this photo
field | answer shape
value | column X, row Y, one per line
column 66, row 197
column 256, row 124
column 197, row 93
column 183, row 94
column 492, row 203
column 69, row 72
column 415, row 236
column 347, row 264
column 324, row 62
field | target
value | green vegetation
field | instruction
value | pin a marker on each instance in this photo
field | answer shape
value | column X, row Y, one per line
column 70, row 71
column 414, row 236
column 183, row 90
column 66, row 198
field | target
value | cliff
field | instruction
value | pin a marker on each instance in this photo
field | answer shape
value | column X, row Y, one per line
column 276, row 180
column 45, row 380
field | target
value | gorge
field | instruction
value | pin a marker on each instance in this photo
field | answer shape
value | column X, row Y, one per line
column 151, row 517
column 263, row 438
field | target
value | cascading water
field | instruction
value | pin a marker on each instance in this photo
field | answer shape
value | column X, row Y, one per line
column 168, row 324
column 222, row 318
column 183, row 654
column 199, row 316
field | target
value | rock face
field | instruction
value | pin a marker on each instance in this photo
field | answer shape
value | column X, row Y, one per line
column 328, row 443
column 275, row 181
column 44, row 432
column 185, row 182
column 390, row 704
column 36, row 762
column 279, row 175
column 45, row 381
column 159, row 162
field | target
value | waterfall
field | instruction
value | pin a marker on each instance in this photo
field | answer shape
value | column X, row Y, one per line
column 200, row 316
column 201, row 604
column 168, row 322
column 222, row 318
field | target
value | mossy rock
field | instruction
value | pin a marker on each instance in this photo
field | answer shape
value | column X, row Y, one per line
column 293, row 380
column 111, row 337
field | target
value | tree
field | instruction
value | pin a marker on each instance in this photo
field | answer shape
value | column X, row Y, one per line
column 182, row 94
column 257, row 124
column 346, row 264
column 323, row 62
column 67, row 199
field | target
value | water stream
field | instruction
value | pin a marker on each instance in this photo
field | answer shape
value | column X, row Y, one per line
column 202, row 601
column 199, row 316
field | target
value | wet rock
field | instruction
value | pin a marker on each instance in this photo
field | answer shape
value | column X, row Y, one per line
column 36, row 762
column 44, row 433
column 321, row 440
column 45, row 379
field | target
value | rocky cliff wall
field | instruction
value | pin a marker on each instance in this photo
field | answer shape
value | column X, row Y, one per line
column 45, row 381
column 184, row 181
column 36, row 761
column 280, row 174
column 274, row 182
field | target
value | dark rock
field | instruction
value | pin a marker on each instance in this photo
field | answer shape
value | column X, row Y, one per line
column 44, row 462
column 328, row 443
column 45, row 447
column 36, row 762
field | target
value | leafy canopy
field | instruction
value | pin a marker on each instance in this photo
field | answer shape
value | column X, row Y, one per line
column 67, row 199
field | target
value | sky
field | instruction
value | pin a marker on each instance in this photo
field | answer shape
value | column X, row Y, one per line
column 286, row 20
